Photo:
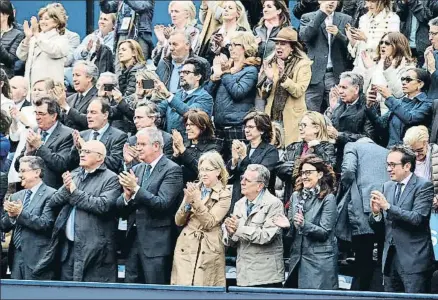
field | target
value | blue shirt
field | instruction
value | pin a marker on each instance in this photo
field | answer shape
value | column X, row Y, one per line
column 174, row 78
column 101, row 132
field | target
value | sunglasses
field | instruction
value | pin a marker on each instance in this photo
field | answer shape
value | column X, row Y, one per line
column 387, row 43
column 409, row 79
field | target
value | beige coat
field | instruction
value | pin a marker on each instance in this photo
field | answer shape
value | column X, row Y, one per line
column 259, row 242
column 296, row 84
column 199, row 257
column 44, row 56
column 211, row 20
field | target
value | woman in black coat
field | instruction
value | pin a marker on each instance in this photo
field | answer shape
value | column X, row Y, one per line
column 201, row 139
column 315, row 140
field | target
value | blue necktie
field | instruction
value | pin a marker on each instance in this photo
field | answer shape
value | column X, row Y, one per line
column 18, row 228
column 95, row 135
column 398, row 192
column 249, row 206
column 44, row 135
column 147, row 174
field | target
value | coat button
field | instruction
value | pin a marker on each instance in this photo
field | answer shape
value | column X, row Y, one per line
column 184, row 234
column 182, row 250
column 203, row 252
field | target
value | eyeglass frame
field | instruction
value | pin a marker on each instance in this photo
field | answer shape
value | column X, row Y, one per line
column 86, row 151
column 409, row 79
column 244, row 179
column 393, row 165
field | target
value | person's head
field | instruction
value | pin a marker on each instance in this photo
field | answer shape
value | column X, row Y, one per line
column 7, row 12
column 198, row 125
column 328, row 6
column 146, row 115
column 312, row 171
column 85, row 75
column 415, row 81
column 31, row 171
column 193, row 73
column 52, row 17
column 106, row 78
column 106, row 23
column 258, row 126
column 277, row 136
column 19, row 88
column 254, row 180
column 275, row 9
column 182, row 13
column 376, row 6
column 212, row 169
column 97, row 113
column 92, row 155
column 153, row 94
column 433, row 32
column 47, row 112
column 286, row 44
column 179, row 46
column 395, row 46
column 232, row 11
column 400, row 162
column 42, row 88
column 313, row 127
column 4, row 84
column 130, row 53
column 149, row 144
column 350, row 86
column 242, row 45
column 5, row 122
column 417, row 137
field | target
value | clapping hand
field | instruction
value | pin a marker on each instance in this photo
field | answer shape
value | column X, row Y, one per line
column 178, row 142
column 281, row 221
column 68, row 182
column 231, row 224
column 238, row 151
column 368, row 62
column 78, row 141
column 299, row 219
column 332, row 132
column 34, row 26
column 167, row 31
column 430, row 60
column 378, row 200
column 13, row 209
column 129, row 153
column 128, row 180
column 159, row 33
column 332, row 29
column 27, row 30
column 192, row 193
column 334, row 96
column 269, row 71
column 59, row 94
column 34, row 139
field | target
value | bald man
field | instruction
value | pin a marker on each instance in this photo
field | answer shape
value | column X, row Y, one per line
column 86, row 226
column 19, row 89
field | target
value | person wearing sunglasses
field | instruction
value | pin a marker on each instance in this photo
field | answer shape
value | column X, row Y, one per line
column 311, row 218
column 413, row 109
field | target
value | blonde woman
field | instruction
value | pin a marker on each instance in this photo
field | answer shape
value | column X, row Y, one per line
column 44, row 48
column 199, row 257
column 183, row 16
column 131, row 60
column 314, row 140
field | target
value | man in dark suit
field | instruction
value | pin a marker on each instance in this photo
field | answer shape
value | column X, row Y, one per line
column 52, row 141
column 403, row 208
column 151, row 194
column 28, row 213
column 323, row 32
column 101, row 130
column 434, row 133
column 85, row 75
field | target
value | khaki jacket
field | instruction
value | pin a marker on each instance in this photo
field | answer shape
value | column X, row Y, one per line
column 259, row 242
column 199, row 257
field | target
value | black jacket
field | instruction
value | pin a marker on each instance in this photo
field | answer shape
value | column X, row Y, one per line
column 77, row 115
column 8, row 50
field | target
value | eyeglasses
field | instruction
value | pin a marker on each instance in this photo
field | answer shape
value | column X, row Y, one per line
column 235, row 45
column 387, row 43
column 304, row 125
column 86, row 151
column 185, row 73
column 190, row 125
column 41, row 114
column 250, row 127
column 409, row 79
column 244, row 179
column 27, row 170
column 431, row 33
column 393, row 165
column 205, row 170
column 307, row 173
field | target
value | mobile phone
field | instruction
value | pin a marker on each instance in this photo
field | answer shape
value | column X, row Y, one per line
column 147, row 84
column 108, row 87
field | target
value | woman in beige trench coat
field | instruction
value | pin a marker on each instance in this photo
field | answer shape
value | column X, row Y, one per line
column 199, row 257
column 283, row 82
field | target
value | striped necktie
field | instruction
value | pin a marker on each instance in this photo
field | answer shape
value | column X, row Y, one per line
column 18, row 228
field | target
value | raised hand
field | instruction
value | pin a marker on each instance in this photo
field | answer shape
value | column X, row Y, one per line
column 27, row 30
column 281, row 221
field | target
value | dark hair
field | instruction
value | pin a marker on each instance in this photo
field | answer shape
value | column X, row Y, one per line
column 263, row 123
column 6, row 88
column 284, row 15
column 424, row 76
column 35, row 163
column 7, row 9
column 401, row 48
column 408, row 155
column 201, row 120
column 327, row 183
column 5, row 122
column 106, row 106
column 52, row 106
column 201, row 67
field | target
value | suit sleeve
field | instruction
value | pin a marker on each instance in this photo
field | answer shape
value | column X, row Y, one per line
column 59, row 198
column 57, row 159
column 310, row 25
column 203, row 102
column 43, row 223
column 114, row 159
column 321, row 232
column 349, row 165
column 78, row 118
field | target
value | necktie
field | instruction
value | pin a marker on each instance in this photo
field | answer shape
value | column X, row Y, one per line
column 249, row 206
column 147, row 173
column 44, row 135
column 95, row 135
column 184, row 95
column 398, row 192
column 18, row 228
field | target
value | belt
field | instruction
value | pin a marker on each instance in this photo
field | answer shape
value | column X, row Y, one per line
column 329, row 69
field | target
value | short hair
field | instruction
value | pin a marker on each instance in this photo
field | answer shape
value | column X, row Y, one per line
column 433, row 22
column 35, row 163
column 416, row 134
column 57, row 14
column 7, row 9
column 49, row 83
column 189, row 7
column 248, row 42
column 24, row 80
column 201, row 120
column 114, row 79
column 186, row 35
column 263, row 174
column 106, row 106
column 5, row 122
column 424, row 76
column 52, row 106
column 408, row 155
column 216, row 160
column 201, row 66
column 354, row 78
column 154, row 136
column 113, row 16
column 90, row 69
column 151, row 109
column 262, row 122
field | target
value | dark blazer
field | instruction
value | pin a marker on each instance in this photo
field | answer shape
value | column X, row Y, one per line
column 407, row 225
column 77, row 115
column 114, row 140
column 434, row 133
column 55, row 153
column 153, row 208
column 25, row 103
column 265, row 154
column 314, row 34
column 36, row 222
column 168, row 143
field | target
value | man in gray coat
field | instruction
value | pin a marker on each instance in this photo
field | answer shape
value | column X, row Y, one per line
column 323, row 32
column 363, row 170
column 403, row 208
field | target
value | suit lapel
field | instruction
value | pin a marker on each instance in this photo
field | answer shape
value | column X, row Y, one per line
column 54, row 136
column 158, row 168
column 408, row 190
column 324, row 30
column 85, row 101
column 106, row 135
column 37, row 197
column 257, row 152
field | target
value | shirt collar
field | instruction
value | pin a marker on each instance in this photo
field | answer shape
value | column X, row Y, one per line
column 20, row 104
column 102, row 130
column 155, row 162
column 258, row 198
column 406, row 180
column 189, row 92
column 51, row 129
column 86, row 92
column 36, row 187
column 354, row 102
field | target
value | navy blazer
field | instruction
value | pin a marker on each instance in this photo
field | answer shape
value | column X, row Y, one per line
column 77, row 115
